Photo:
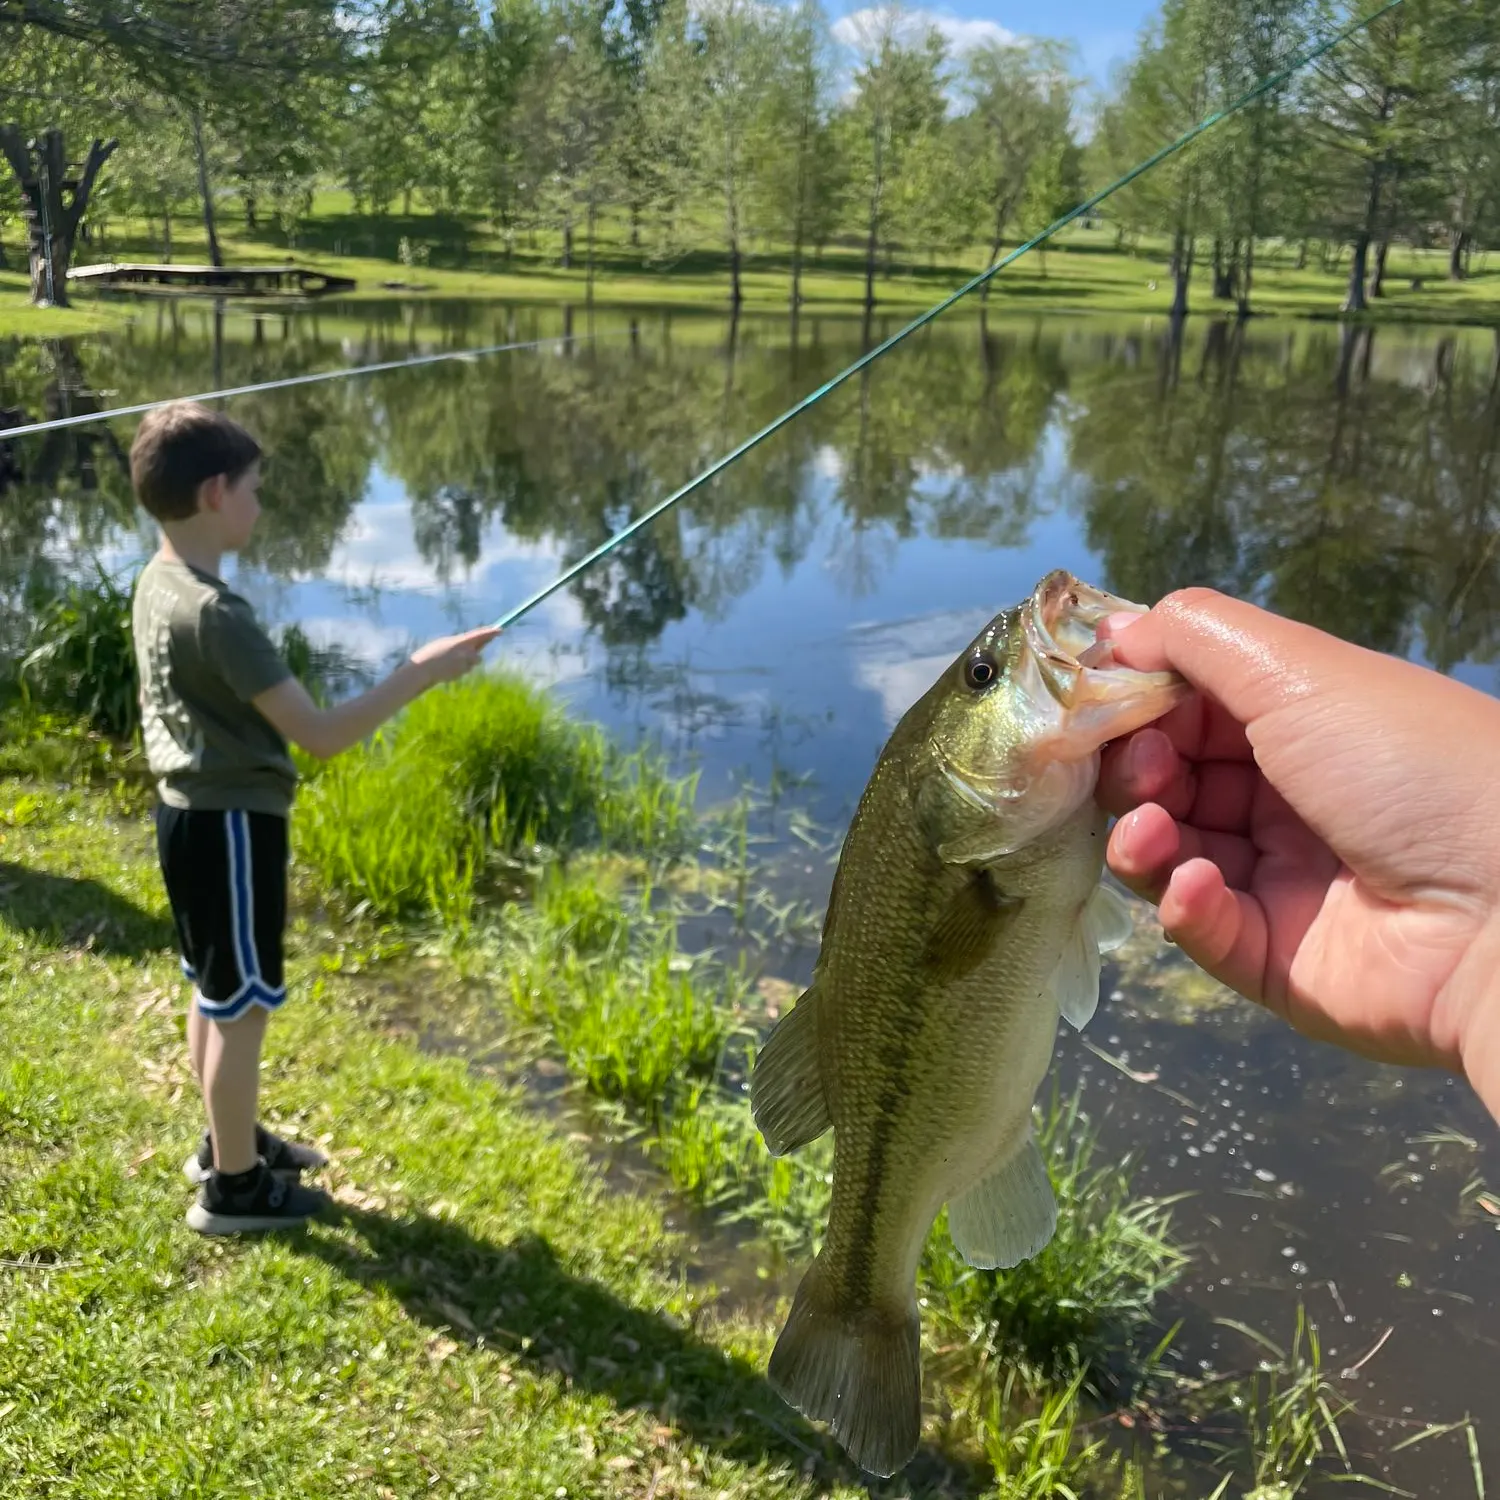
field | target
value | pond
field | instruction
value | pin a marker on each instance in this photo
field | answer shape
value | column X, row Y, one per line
column 774, row 627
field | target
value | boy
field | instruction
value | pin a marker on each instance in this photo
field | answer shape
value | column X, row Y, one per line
column 218, row 706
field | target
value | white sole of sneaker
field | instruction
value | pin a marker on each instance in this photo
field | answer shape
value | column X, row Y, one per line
column 205, row 1221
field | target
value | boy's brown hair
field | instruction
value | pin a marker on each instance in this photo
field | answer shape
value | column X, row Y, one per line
column 178, row 447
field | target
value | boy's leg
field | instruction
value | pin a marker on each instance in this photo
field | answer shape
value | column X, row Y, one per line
column 226, row 875
column 197, row 1036
column 231, row 1078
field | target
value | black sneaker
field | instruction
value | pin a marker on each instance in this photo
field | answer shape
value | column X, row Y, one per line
column 250, row 1201
column 285, row 1158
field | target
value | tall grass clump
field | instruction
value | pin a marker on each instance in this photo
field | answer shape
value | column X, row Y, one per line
column 482, row 770
column 78, row 659
column 711, row 1149
column 1081, row 1302
column 1291, row 1415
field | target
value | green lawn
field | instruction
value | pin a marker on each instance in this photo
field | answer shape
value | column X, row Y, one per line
column 481, row 1317
column 451, row 258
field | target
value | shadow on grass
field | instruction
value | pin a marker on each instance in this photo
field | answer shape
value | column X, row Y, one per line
column 74, row 912
column 521, row 1299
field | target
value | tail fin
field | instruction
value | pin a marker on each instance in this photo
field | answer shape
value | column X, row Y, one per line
column 860, row 1371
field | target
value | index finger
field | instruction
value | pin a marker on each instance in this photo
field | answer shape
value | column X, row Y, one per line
column 1237, row 654
column 479, row 638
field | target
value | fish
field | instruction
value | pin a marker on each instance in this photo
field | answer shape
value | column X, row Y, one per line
column 967, row 914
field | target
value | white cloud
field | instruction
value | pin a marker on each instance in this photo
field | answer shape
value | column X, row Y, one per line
column 862, row 26
column 899, row 661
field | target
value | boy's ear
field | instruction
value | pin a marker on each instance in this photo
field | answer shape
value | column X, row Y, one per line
column 211, row 493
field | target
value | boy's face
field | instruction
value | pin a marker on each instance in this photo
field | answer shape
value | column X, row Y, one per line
column 236, row 503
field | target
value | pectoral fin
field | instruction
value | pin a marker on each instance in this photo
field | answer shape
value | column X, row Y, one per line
column 1007, row 1217
column 969, row 926
column 786, row 1088
column 1104, row 925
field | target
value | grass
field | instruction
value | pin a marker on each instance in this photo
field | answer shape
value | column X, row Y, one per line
column 485, row 771
column 481, row 1317
column 450, row 258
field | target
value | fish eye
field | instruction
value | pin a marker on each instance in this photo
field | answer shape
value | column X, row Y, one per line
column 980, row 671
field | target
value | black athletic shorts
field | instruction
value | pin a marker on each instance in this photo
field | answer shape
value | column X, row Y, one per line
column 226, row 879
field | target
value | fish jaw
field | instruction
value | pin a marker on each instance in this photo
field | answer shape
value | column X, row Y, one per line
column 1093, row 699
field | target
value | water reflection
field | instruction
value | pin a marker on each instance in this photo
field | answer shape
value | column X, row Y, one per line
column 1345, row 477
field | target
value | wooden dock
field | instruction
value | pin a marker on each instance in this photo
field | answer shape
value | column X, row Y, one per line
column 276, row 281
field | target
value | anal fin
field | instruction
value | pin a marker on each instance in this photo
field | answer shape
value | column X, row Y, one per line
column 786, row 1087
column 1008, row 1216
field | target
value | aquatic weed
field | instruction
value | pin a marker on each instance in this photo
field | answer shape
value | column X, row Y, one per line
column 1037, row 1455
column 1292, row 1414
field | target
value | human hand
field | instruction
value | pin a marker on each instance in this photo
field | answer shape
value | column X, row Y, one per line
column 452, row 656
column 1319, row 826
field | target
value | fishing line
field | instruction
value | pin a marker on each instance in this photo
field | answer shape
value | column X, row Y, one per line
column 1273, row 81
column 343, row 373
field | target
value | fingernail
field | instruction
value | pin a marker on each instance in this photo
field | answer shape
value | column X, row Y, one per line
column 1111, row 627
column 1137, row 759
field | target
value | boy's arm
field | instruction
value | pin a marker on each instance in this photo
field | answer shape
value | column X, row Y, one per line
column 324, row 732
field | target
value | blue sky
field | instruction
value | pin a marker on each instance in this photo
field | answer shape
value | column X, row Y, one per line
column 1102, row 30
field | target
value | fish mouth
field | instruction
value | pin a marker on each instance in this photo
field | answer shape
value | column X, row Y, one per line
column 1100, row 699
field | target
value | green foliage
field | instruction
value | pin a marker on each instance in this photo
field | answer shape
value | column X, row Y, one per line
column 487, row 768
column 79, row 658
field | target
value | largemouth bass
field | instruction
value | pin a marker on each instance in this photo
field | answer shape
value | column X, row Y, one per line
column 966, row 915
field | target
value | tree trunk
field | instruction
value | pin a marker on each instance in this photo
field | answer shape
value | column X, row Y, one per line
column 1223, row 275
column 567, row 245
column 205, row 192
column 166, row 234
column 51, row 226
column 1458, row 245
column 589, row 276
column 250, row 224
column 1377, row 281
column 1302, row 256
column 797, row 267
column 1182, row 272
column 1248, row 280
column 1355, row 299
column 736, row 293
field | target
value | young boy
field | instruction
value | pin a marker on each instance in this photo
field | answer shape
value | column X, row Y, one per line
column 218, row 707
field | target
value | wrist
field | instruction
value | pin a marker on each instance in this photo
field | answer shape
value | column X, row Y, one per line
column 416, row 676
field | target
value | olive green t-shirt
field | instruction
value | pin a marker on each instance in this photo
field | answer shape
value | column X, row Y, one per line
column 202, row 657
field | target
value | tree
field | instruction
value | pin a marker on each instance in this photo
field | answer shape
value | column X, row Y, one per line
column 898, row 95
column 568, row 110
column 737, row 65
column 796, row 179
column 1019, row 99
column 1166, row 90
column 1054, row 185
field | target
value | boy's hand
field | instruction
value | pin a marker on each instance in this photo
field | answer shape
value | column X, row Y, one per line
column 452, row 656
